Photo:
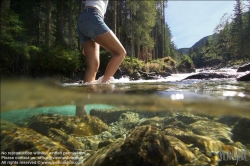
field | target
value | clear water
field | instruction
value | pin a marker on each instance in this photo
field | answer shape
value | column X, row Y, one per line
column 224, row 96
column 22, row 98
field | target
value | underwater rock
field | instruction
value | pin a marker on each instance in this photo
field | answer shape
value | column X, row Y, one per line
column 215, row 130
column 108, row 115
column 244, row 68
column 155, row 121
column 97, row 141
column 77, row 126
column 146, row 145
column 241, row 131
column 6, row 125
column 228, row 120
column 36, row 146
column 183, row 154
column 204, row 143
column 244, row 77
column 209, row 76
column 128, row 120
column 68, row 141
column 188, row 118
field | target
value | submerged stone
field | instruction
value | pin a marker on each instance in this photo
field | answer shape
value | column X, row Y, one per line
column 129, row 120
column 32, row 147
column 241, row 131
column 78, row 126
column 184, row 155
column 215, row 130
column 204, row 143
column 6, row 125
column 146, row 145
column 108, row 115
column 68, row 141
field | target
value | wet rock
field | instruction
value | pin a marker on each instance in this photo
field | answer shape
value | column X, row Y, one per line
column 204, row 143
column 136, row 76
column 244, row 77
column 118, row 132
column 184, row 155
column 6, row 125
column 241, row 131
column 77, row 126
column 215, row 130
column 29, row 141
column 146, row 145
column 155, row 121
column 244, row 68
column 97, row 141
column 228, row 120
column 68, row 141
column 129, row 120
column 188, row 118
column 164, row 74
column 209, row 76
column 108, row 115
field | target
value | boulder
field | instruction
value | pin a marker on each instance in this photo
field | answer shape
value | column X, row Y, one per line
column 37, row 147
column 244, row 68
column 209, row 76
column 184, row 155
column 241, row 131
column 244, row 77
column 204, row 143
column 108, row 115
column 77, row 126
column 210, row 128
column 6, row 125
column 146, row 145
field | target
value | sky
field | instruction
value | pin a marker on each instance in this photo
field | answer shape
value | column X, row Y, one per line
column 189, row 21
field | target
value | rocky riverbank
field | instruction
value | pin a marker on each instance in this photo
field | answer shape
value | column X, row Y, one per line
column 129, row 137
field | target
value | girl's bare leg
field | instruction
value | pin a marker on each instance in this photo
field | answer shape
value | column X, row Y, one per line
column 91, row 52
column 110, row 42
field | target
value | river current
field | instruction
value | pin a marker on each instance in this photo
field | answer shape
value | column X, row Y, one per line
column 223, row 96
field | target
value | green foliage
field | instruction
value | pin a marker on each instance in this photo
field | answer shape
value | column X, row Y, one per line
column 132, row 65
column 39, row 37
column 186, row 64
column 14, row 52
column 50, row 61
column 158, row 65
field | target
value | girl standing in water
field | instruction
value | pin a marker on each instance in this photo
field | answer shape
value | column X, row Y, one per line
column 93, row 33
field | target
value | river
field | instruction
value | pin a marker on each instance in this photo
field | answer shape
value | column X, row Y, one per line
column 23, row 98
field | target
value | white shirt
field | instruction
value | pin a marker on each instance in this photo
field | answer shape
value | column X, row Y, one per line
column 101, row 5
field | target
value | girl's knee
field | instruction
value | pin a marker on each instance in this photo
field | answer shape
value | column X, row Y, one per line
column 93, row 67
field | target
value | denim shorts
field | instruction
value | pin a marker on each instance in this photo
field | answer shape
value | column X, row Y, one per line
column 90, row 25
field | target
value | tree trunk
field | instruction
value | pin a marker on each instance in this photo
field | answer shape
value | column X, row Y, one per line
column 70, row 24
column 48, row 22
column 80, row 10
column 5, row 5
column 114, row 7
column 163, row 31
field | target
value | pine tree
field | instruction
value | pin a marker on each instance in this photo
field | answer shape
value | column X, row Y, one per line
column 237, row 31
